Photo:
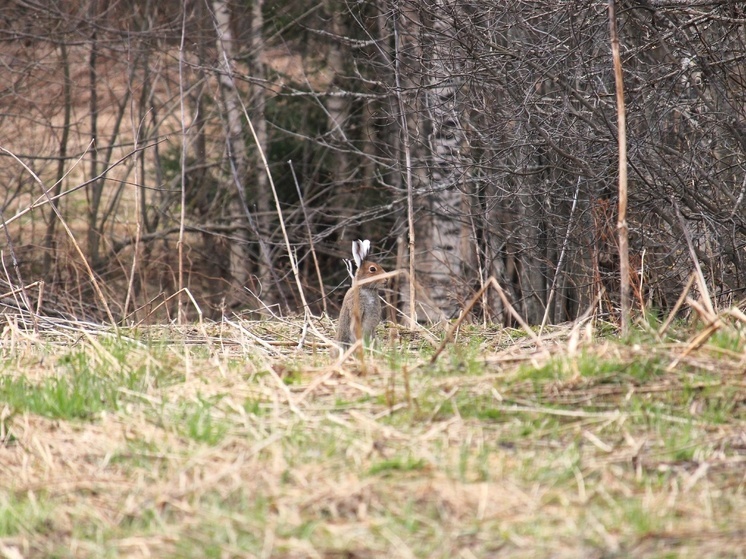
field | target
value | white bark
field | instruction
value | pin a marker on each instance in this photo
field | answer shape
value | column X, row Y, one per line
column 338, row 110
column 259, row 101
column 444, row 235
column 235, row 142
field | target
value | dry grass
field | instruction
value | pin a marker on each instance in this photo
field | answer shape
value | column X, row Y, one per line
column 223, row 440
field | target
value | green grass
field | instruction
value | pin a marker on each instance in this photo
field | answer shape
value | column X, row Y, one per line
column 78, row 395
column 87, row 381
column 118, row 448
column 397, row 464
column 730, row 339
column 26, row 513
column 199, row 423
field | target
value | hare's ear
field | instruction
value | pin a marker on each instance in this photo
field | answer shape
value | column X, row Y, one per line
column 360, row 250
column 356, row 253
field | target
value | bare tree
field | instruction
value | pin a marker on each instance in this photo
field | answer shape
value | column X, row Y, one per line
column 485, row 132
column 237, row 154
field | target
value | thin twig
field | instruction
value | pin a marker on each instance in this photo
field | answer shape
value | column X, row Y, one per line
column 622, row 227
column 91, row 275
column 21, row 290
column 262, row 156
column 677, row 306
column 713, row 324
column 408, row 166
column 557, row 271
column 704, row 293
column 182, row 213
column 307, row 220
column 166, row 300
column 491, row 282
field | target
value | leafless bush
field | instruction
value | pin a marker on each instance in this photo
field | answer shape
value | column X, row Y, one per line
column 499, row 117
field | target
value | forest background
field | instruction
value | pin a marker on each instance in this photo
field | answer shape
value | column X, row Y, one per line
column 151, row 148
column 171, row 161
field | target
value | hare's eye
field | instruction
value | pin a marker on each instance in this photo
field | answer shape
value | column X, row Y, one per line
column 372, row 269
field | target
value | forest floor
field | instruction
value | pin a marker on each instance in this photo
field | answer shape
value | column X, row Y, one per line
column 226, row 440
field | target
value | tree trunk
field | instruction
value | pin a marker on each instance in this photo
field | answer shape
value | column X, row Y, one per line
column 95, row 189
column 260, row 189
column 338, row 109
column 49, row 240
column 237, row 154
column 445, row 232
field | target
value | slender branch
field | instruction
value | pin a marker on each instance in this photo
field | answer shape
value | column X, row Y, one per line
column 557, row 272
column 182, row 212
column 622, row 227
column 408, row 165
column 307, row 221
column 91, row 275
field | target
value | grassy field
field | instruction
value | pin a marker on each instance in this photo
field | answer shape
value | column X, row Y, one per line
column 225, row 440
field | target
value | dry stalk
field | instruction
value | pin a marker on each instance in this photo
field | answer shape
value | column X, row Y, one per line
column 423, row 294
column 357, row 322
column 291, row 254
column 702, row 284
column 265, row 165
column 138, row 212
column 182, row 213
column 677, row 306
column 40, row 296
column 491, row 282
column 558, row 270
column 253, row 337
column 578, row 322
column 407, row 389
column 310, row 239
column 641, row 288
column 91, row 275
column 22, row 289
column 313, row 385
column 304, row 332
column 737, row 314
column 167, row 299
column 481, row 272
column 622, row 140
column 389, row 391
column 344, row 356
column 308, row 323
column 18, row 290
column 713, row 324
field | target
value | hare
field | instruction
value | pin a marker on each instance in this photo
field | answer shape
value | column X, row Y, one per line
column 361, row 302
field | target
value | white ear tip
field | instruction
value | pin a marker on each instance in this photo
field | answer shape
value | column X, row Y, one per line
column 360, row 250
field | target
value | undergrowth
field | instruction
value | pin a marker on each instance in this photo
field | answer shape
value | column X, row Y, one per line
column 583, row 445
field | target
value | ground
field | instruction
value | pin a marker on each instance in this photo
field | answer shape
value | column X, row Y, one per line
column 244, row 439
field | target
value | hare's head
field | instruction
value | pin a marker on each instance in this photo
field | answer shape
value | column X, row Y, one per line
column 366, row 269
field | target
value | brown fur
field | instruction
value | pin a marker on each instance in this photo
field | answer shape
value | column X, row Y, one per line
column 367, row 308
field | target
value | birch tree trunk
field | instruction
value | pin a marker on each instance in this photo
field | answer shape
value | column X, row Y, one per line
column 407, row 64
column 235, row 144
column 445, row 231
column 338, row 109
column 260, row 188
